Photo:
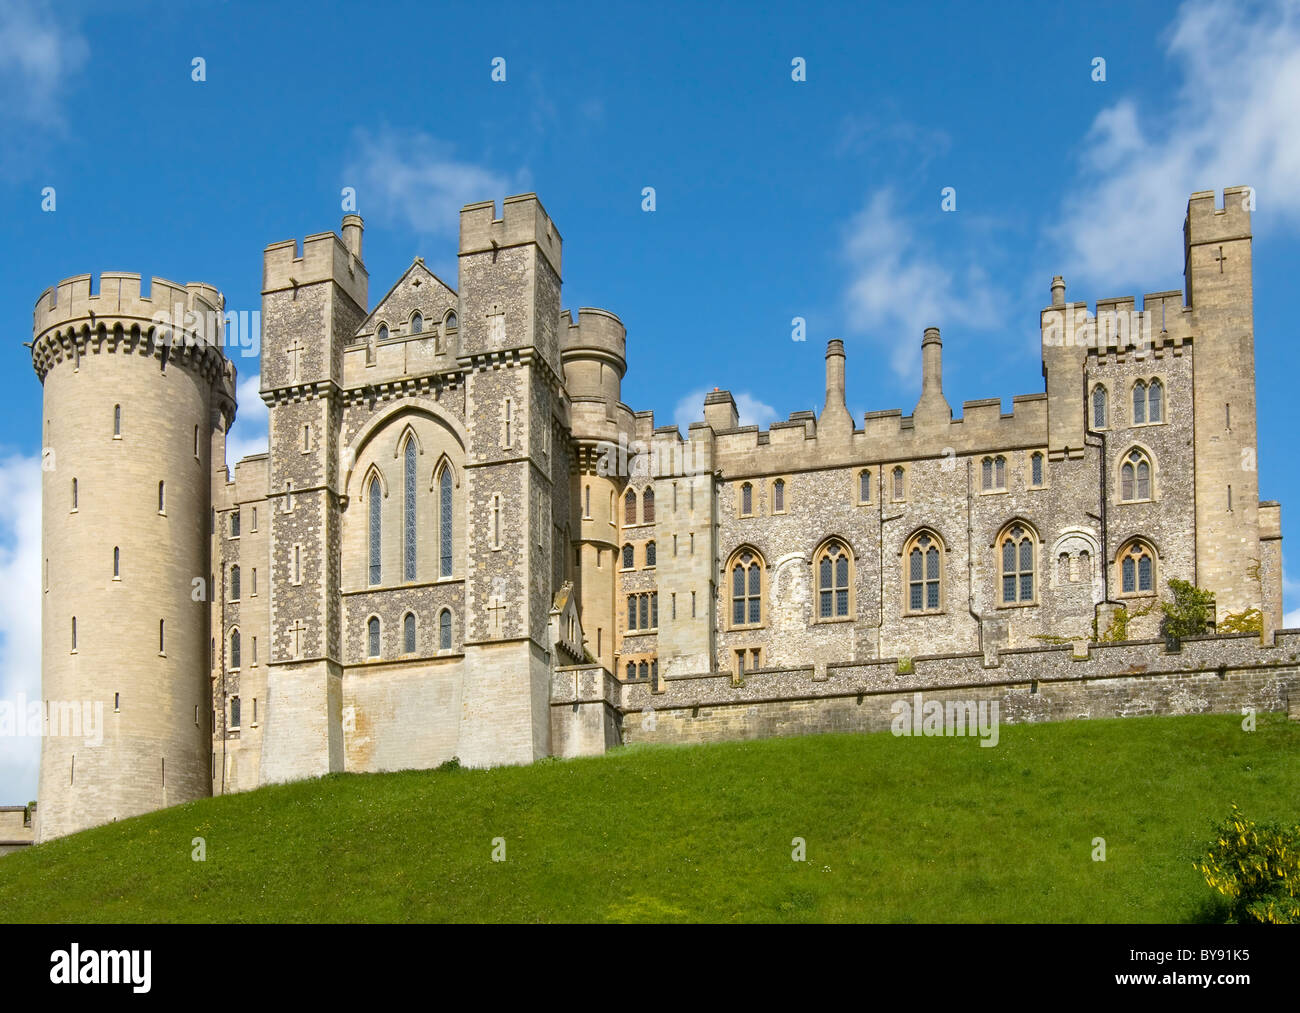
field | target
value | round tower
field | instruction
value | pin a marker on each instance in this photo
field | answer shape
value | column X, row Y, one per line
column 137, row 393
column 593, row 353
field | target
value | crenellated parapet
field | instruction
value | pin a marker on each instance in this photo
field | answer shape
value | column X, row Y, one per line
column 178, row 324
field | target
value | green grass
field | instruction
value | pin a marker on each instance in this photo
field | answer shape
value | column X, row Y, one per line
column 897, row 829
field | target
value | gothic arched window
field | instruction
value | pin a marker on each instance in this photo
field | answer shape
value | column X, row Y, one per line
column 628, row 560
column 1137, row 568
column 444, row 631
column 1139, row 402
column 832, row 565
column 444, row 521
column 417, row 322
column 746, row 499
column 408, row 510
column 408, row 633
column 643, row 672
column 1099, row 407
column 924, row 569
column 1135, row 477
column 375, row 496
column 117, row 420
column 864, row 485
column 235, row 645
column 372, row 636
column 746, row 589
column 899, row 476
column 1155, row 401
column 631, row 671
column 1036, row 468
column 1016, row 548
column 382, row 334
column 629, row 508
column 649, row 553
column 778, row 496
column 648, row 506
column 234, row 583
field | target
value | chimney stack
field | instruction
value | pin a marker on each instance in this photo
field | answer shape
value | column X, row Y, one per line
column 1058, row 291
column 352, row 228
column 836, row 412
column 933, row 406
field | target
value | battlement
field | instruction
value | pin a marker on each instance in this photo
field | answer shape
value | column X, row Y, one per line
column 1207, row 223
column 119, row 298
column 523, row 220
column 1115, row 322
column 324, row 257
column 596, row 334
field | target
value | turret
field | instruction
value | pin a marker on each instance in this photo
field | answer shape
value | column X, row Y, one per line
column 835, row 415
column 933, row 406
column 137, row 398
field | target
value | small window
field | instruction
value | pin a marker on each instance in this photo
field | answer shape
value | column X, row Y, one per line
column 234, row 523
column 196, row 441
column 1139, row 402
column 74, row 494
column 864, row 486
column 117, row 420
column 648, row 507
column 162, row 497
column 253, row 525
column 451, row 320
column 1036, row 468
column 162, row 636
column 1099, row 407
column 417, row 323
column 746, row 499
column 649, row 553
column 898, row 482
column 627, row 556
column 1000, row 471
column 444, row 631
column 382, row 334
column 234, row 583
column 778, row 496
column 986, row 473
column 117, row 563
column 1155, row 402
column 235, row 649
column 74, row 633
column 408, row 632
column 643, row 671
column 629, row 508
column 234, row 713
column 631, row 671
column 372, row 631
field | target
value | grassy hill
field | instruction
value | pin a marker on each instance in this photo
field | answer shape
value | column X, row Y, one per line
column 897, row 829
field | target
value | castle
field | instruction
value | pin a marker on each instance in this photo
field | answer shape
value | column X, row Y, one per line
column 462, row 543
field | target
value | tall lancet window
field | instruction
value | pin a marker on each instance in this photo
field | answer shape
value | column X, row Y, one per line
column 408, row 513
column 375, row 496
column 444, row 522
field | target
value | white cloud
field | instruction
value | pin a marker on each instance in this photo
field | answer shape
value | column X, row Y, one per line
column 20, row 617
column 249, row 433
column 751, row 410
column 414, row 179
column 899, row 286
column 39, row 52
column 1234, row 119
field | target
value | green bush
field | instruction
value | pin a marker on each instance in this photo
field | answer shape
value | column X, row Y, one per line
column 452, row 764
column 1191, row 613
column 1257, row 868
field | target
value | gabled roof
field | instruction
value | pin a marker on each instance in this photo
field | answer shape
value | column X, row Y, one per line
column 417, row 268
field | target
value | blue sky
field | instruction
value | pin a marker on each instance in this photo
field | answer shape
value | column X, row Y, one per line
column 775, row 199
